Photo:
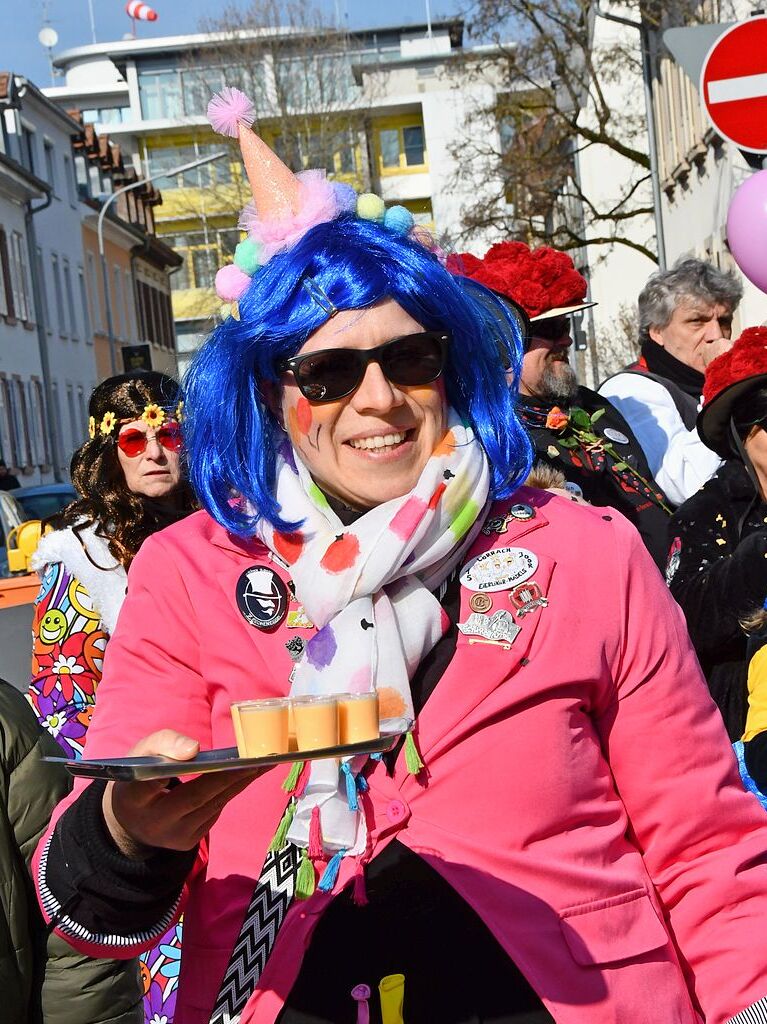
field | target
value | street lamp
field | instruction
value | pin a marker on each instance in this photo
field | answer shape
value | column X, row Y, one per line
column 100, row 231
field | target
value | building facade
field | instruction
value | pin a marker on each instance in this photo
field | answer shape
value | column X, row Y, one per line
column 54, row 177
column 393, row 105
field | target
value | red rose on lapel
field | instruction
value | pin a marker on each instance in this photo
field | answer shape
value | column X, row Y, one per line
column 556, row 419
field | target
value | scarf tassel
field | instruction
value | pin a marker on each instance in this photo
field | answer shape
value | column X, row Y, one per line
column 305, row 879
column 315, row 835
column 351, row 787
column 281, row 835
column 291, row 782
column 359, row 892
column 330, row 874
column 412, row 757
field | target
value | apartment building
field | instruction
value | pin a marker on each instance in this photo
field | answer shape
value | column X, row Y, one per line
column 397, row 101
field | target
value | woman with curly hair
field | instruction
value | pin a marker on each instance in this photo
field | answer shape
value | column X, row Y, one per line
column 129, row 478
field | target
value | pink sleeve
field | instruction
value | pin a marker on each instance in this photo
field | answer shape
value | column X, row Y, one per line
column 704, row 839
column 150, row 681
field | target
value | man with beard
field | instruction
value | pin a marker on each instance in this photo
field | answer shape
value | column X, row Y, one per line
column 572, row 428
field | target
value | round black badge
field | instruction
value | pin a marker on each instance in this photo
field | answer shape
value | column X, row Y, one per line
column 262, row 597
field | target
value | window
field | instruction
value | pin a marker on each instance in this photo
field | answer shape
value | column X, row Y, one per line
column 106, row 115
column 84, row 304
column 117, row 302
column 27, row 144
column 45, row 309
column 160, row 93
column 6, row 285
column 60, row 314
column 199, row 86
column 38, row 421
column 95, row 183
column 400, row 147
column 69, row 180
column 74, row 421
column 81, row 175
column 16, row 406
column 20, row 278
column 389, row 142
column 70, row 301
column 60, row 461
column 94, row 293
column 6, row 436
column 413, row 145
column 50, row 165
column 166, row 158
column 130, row 320
column 204, row 266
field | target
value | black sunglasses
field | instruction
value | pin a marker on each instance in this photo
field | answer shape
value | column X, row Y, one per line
column 551, row 329
column 334, row 373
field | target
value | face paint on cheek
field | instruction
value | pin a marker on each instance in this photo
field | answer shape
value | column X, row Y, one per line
column 299, row 420
column 303, row 415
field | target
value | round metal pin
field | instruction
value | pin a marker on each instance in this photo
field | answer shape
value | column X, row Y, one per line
column 617, row 436
column 522, row 511
column 480, row 602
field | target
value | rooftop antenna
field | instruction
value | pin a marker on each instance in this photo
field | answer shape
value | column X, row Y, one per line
column 93, row 21
column 428, row 19
column 48, row 37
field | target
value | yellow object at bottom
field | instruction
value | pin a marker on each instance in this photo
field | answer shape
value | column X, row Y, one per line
column 391, row 991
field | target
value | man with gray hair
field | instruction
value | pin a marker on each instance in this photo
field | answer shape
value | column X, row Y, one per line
column 685, row 321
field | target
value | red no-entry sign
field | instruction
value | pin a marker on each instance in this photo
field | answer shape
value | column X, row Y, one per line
column 733, row 84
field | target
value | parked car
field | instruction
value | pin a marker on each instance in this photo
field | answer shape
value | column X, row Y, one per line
column 44, row 500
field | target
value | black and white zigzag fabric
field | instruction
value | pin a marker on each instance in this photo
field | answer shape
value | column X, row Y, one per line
column 754, row 1014
column 266, row 911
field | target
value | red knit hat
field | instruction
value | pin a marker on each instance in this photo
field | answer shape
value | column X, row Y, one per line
column 543, row 281
column 731, row 375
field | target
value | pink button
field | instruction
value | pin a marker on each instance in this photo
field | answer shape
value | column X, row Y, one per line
column 396, row 812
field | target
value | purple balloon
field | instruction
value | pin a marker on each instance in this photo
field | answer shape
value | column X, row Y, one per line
column 747, row 228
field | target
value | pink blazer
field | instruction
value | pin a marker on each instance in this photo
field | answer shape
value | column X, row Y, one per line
column 581, row 793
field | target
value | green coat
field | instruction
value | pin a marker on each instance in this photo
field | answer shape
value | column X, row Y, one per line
column 42, row 979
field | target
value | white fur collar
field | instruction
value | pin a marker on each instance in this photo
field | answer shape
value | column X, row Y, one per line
column 105, row 580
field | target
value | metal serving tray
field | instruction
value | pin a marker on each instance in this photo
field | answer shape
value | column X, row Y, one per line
column 226, row 759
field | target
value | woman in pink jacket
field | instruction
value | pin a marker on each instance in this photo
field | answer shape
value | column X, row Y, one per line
column 564, row 838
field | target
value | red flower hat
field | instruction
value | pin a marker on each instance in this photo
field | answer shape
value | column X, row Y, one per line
column 543, row 281
column 730, row 376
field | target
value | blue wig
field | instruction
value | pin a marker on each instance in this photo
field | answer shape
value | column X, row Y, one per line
column 232, row 437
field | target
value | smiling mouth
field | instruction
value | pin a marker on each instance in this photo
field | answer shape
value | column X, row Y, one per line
column 381, row 442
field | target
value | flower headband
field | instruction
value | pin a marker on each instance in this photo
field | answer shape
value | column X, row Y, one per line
column 286, row 205
column 153, row 415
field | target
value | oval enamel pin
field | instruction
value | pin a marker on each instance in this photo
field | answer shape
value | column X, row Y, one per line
column 499, row 569
column 262, row 597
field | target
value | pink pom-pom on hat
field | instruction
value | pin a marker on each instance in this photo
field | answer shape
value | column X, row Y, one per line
column 228, row 110
column 231, row 283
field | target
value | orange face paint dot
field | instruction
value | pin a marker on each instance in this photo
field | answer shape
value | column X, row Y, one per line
column 447, row 445
column 288, row 545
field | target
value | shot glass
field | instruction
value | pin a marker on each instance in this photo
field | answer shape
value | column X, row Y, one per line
column 261, row 726
column 316, row 721
column 357, row 717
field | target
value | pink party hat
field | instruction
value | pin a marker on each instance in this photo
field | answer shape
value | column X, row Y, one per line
column 274, row 186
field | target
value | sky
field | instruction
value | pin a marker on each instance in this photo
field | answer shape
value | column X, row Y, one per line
column 21, row 52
